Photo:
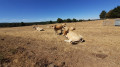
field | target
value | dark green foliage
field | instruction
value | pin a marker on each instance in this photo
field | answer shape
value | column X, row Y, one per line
column 89, row 20
column 50, row 22
column 59, row 20
column 114, row 13
column 109, row 14
column 22, row 24
column 103, row 15
column 17, row 24
column 64, row 20
column 80, row 20
column 74, row 20
column 68, row 20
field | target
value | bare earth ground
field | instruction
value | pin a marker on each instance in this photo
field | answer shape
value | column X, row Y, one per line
column 25, row 47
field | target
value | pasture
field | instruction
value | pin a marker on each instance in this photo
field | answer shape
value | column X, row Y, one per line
column 23, row 46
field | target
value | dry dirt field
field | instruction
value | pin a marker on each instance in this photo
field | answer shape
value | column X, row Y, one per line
column 25, row 47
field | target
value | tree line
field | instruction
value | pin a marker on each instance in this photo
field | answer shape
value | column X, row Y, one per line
column 18, row 24
column 114, row 13
column 59, row 20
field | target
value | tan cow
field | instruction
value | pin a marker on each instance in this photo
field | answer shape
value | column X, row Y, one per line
column 73, row 37
column 38, row 28
column 58, row 27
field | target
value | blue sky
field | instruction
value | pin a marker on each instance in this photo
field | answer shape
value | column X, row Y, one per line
column 45, row 10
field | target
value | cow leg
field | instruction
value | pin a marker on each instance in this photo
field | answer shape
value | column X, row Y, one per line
column 68, row 41
column 61, row 31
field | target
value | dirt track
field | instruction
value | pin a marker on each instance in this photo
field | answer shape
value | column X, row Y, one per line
column 25, row 47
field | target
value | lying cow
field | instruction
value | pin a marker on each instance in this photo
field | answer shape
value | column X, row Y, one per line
column 38, row 28
column 73, row 37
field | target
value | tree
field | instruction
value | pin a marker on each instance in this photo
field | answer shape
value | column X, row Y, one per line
column 80, row 20
column 103, row 15
column 69, row 20
column 50, row 22
column 22, row 24
column 74, row 20
column 109, row 14
column 59, row 20
column 64, row 20
column 114, row 13
column 89, row 20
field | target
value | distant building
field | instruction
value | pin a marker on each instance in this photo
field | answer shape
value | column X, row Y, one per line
column 111, row 22
column 108, row 22
column 117, row 22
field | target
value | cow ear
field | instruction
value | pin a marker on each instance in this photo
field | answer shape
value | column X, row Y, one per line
column 72, row 28
column 52, row 26
column 64, row 26
column 33, row 26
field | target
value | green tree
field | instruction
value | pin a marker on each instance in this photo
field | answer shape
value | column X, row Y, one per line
column 74, row 20
column 50, row 22
column 64, row 20
column 69, row 20
column 22, row 24
column 114, row 13
column 109, row 14
column 89, row 20
column 103, row 15
column 80, row 20
column 59, row 20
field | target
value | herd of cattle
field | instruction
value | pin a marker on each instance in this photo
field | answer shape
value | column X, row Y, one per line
column 68, row 32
